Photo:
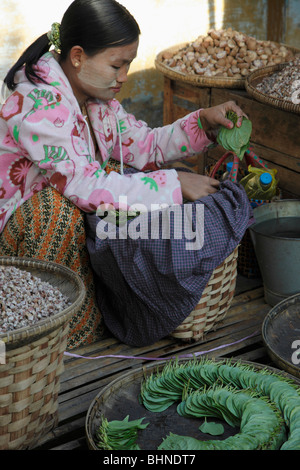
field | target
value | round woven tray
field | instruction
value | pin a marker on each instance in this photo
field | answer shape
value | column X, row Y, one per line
column 29, row 378
column 214, row 303
column 197, row 80
column 121, row 398
column 281, row 335
column 256, row 77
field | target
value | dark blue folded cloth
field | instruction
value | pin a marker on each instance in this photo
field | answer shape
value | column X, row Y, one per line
column 146, row 287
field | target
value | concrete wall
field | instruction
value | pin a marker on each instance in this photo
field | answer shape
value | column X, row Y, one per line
column 163, row 23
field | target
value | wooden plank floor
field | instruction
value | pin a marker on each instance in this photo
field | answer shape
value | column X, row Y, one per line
column 237, row 336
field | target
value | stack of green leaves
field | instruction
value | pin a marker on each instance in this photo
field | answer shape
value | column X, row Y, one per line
column 160, row 391
column 163, row 389
column 237, row 139
column 119, row 435
column 261, row 426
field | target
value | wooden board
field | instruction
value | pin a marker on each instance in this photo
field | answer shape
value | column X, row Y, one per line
column 273, row 128
column 275, row 136
column 189, row 98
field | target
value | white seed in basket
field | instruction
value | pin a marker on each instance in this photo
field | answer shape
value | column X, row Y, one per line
column 282, row 84
column 26, row 299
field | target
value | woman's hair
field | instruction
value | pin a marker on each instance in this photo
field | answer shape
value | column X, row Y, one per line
column 92, row 24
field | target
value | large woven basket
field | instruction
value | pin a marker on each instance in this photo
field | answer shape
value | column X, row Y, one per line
column 214, row 303
column 30, row 377
column 256, row 77
column 200, row 80
column 197, row 80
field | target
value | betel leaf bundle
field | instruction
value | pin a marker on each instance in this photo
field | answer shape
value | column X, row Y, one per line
column 119, row 435
column 237, row 139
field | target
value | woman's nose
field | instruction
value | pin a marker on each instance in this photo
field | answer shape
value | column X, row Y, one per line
column 123, row 74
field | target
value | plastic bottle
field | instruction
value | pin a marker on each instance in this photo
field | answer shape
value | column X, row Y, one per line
column 265, row 181
column 225, row 175
column 259, row 186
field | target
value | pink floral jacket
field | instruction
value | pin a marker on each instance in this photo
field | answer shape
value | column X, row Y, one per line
column 45, row 140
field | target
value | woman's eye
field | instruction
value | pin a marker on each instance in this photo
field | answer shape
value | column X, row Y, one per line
column 115, row 67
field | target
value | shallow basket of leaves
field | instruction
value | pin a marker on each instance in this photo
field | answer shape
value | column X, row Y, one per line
column 197, row 405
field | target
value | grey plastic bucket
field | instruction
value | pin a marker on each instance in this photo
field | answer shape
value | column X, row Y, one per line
column 276, row 240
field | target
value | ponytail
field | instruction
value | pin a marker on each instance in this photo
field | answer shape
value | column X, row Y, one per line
column 29, row 58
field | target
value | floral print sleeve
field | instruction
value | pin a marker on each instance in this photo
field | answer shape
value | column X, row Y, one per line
column 146, row 148
column 68, row 164
column 44, row 140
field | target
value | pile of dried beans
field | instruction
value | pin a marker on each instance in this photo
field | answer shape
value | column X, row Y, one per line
column 226, row 53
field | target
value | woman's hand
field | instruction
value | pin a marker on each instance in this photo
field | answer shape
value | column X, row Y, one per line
column 212, row 118
column 194, row 186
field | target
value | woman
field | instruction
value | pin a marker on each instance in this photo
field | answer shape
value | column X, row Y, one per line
column 62, row 127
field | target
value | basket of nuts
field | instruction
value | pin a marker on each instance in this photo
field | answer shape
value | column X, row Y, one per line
column 222, row 58
column 37, row 301
column 277, row 85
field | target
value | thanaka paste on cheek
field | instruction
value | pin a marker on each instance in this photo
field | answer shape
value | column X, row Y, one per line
column 89, row 75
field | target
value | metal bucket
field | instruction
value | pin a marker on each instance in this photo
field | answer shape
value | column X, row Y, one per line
column 276, row 240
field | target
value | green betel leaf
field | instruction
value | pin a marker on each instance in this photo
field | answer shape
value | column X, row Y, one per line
column 237, row 139
column 215, row 429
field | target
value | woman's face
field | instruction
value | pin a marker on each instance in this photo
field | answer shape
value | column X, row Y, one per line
column 102, row 75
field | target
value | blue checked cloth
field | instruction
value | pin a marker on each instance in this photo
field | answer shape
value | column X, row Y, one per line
column 146, row 287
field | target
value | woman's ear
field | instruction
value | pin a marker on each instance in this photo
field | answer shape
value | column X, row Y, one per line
column 76, row 56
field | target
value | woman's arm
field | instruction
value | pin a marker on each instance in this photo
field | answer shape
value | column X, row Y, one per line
column 144, row 147
column 56, row 141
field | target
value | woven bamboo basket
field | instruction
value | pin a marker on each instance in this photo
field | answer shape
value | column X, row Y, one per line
column 30, row 376
column 256, row 77
column 197, row 80
column 200, row 80
column 214, row 303
column 120, row 398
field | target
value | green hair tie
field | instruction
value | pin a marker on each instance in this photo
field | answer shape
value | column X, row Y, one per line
column 54, row 36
